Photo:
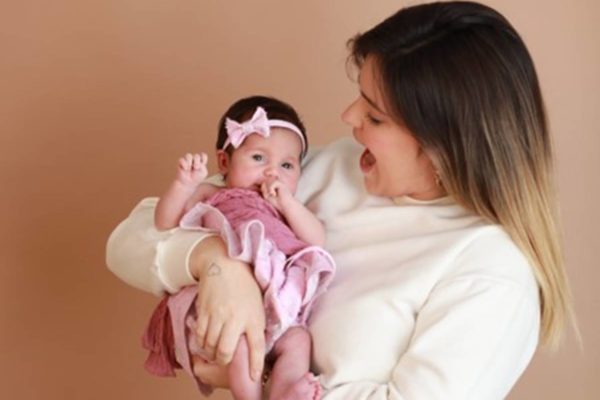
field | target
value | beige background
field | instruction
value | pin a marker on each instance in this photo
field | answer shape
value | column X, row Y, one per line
column 97, row 100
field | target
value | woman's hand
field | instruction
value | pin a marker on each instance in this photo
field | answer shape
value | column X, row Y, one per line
column 211, row 374
column 229, row 304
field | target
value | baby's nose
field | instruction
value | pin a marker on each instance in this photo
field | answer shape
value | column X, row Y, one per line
column 271, row 172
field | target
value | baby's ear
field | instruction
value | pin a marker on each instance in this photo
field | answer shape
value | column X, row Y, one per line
column 223, row 161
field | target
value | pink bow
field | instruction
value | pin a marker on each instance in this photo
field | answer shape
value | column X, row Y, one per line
column 237, row 133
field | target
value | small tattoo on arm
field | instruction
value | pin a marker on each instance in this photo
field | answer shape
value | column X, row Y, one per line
column 213, row 270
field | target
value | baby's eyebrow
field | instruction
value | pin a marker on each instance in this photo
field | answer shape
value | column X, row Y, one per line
column 255, row 148
column 292, row 158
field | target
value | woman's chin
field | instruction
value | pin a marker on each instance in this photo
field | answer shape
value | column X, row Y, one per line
column 370, row 185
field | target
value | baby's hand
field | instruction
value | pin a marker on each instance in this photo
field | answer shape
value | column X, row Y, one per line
column 276, row 193
column 192, row 169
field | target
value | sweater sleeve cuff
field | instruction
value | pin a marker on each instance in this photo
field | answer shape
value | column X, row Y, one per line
column 172, row 258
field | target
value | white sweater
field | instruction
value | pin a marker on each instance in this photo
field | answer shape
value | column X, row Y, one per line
column 428, row 301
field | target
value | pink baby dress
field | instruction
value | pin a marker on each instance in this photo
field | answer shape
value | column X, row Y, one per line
column 290, row 273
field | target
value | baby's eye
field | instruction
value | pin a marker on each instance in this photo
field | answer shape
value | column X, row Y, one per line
column 257, row 157
column 287, row 165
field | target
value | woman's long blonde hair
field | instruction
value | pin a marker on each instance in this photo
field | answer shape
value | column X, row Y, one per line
column 460, row 78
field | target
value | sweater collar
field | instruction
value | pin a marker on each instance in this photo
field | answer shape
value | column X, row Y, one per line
column 406, row 200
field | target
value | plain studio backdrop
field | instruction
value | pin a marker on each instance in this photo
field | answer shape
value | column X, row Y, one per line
column 98, row 99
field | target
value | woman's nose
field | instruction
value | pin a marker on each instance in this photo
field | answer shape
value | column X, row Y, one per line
column 349, row 115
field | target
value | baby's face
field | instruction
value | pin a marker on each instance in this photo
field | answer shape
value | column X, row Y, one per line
column 259, row 158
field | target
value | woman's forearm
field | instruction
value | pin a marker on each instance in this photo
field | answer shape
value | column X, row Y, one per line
column 208, row 257
column 158, row 262
column 147, row 259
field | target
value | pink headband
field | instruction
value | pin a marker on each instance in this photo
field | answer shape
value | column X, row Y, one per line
column 259, row 124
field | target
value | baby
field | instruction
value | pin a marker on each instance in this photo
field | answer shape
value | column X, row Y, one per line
column 259, row 150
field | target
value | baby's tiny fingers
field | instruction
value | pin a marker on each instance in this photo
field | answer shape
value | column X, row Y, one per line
column 187, row 161
column 267, row 191
column 274, row 187
column 203, row 158
column 184, row 164
column 196, row 161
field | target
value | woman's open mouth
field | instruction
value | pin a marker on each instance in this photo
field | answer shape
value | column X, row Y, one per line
column 367, row 161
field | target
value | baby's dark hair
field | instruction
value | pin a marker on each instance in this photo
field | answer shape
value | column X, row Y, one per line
column 243, row 109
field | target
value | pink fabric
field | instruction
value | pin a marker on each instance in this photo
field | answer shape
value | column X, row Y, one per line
column 238, row 132
column 169, row 335
column 259, row 124
column 241, row 207
column 158, row 340
column 290, row 272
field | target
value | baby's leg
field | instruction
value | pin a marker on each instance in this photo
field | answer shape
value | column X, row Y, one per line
column 292, row 361
column 241, row 385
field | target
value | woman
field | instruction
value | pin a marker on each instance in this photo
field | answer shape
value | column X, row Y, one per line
column 440, row 216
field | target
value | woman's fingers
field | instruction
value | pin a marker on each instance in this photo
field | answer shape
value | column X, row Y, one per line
column 211, row 374
column 211, row 340
column 230, row 336
column 231, row 296
column 201, row 329
column 255, row 336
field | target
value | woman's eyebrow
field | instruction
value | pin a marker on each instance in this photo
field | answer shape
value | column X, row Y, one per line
column 372, row 103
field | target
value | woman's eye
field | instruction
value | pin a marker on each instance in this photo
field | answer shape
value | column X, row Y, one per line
column 373, row 120
column 287, row 165
column 257, row 157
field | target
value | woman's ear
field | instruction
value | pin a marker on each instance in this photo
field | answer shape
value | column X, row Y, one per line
column 223, row 162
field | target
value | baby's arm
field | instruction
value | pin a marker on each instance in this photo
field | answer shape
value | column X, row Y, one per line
column 301, row 220
column 184, row 190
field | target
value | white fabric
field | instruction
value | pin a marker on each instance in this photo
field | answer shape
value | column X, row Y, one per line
column 428, row 301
